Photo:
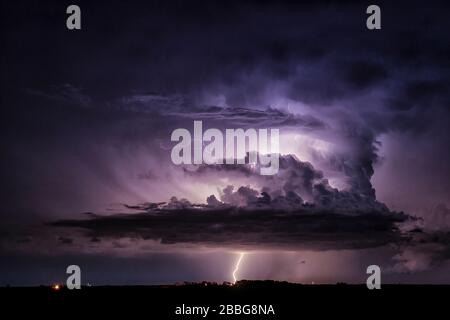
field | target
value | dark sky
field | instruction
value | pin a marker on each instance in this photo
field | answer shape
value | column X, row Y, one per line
column 364, row 123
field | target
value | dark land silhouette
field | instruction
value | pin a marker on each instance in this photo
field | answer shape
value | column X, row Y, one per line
column 289, row 300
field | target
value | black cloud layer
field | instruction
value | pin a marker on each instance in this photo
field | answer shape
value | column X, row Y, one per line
column 254, row 228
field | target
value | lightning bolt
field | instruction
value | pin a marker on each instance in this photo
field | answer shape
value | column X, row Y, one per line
column 236, row 268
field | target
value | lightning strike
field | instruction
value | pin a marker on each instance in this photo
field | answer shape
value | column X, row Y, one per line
column 236, row 268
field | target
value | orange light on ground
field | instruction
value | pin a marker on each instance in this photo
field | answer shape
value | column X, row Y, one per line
column 56, row 287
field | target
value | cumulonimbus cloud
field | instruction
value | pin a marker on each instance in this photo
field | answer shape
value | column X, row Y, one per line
column 265, row 218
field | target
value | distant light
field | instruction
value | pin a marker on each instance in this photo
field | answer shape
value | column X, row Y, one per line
column 56, row 287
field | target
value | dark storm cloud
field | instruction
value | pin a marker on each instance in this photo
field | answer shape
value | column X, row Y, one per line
column 65, row 240
column 423, row 251
column 305, row 228
column 364, row 74
column 239, row 50
column 418, row 93
column 176, row 105
column 178, row 47
column 246, row 117
column 66, row 94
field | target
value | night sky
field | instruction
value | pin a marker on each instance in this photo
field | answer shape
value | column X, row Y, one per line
column 87, row 115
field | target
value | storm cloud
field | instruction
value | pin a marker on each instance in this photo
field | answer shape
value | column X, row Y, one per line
column 268, row 218
column 364, row 124
column 254, row 227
